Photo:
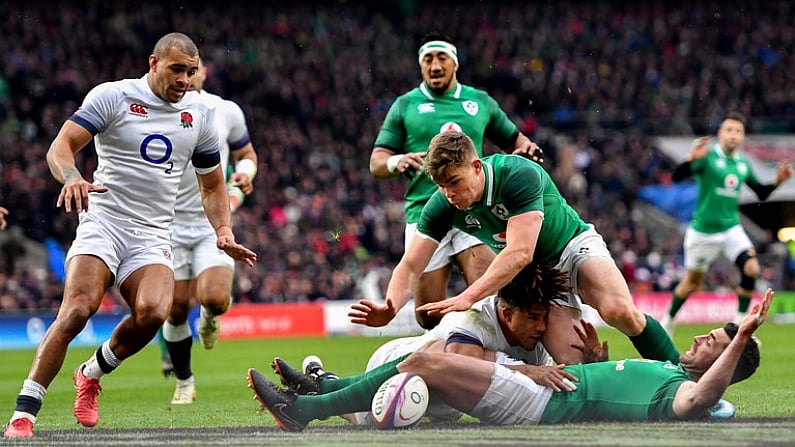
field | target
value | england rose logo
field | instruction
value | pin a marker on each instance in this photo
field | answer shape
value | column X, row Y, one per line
column 186, row 119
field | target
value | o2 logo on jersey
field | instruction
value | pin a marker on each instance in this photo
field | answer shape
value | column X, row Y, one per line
column 448, row 126
column 151, row 146
column 501, row 240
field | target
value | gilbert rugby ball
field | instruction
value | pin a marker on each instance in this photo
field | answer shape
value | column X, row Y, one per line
column 400, row 402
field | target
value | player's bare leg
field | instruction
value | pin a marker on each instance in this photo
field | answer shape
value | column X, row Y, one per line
column 601, row 285
column 148, row 291
column 461, row 391
column 87, row 277
column 474, row 261
column 213, row 288
column 560, row 339
column 430, row 288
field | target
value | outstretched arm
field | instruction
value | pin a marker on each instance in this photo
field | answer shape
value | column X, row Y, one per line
column 694, row 398
column 216, row 206
column 402, row 283
column 697, row 151
column 784, row 172
column 521, row 238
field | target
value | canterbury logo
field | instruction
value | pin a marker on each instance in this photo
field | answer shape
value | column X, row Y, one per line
column 138, row 109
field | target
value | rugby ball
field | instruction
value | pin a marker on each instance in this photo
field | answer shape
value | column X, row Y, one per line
column 400, row 402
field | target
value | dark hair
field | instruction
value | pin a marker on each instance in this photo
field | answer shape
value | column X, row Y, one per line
column 749, row 359
column 736, row 116
column 176, row 40
column 535, row 284
column 430, row 37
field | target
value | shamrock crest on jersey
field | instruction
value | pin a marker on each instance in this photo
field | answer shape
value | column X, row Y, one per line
column 470, row 107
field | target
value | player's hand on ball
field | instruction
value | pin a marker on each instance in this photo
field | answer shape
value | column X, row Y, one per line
column 371, row 314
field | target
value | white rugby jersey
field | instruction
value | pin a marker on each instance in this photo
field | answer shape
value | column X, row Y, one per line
column 230, row 121
column 143, row 146
column 479, row 324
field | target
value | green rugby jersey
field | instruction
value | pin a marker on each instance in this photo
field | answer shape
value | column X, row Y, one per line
column 514, row 185
column 719, row 178
column 624, row 390
column 420, row 114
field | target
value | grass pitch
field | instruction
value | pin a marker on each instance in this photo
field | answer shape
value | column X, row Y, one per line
column 135, row 404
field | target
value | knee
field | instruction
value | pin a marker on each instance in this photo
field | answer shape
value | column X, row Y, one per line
column 613, row 312
column 749, row 269
column 215, row 299
column 623, row 316
column 748, row 263
column 179, row 312
column 150, row 316
column 73, row 319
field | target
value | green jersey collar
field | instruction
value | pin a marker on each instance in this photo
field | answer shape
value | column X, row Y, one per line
column 456, row 93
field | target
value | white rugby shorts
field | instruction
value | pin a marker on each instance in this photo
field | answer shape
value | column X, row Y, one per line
column 512, row 399
column 585, row 245
column 702, row 249
column 453, row 243
column 122, row 246
column 195, row 248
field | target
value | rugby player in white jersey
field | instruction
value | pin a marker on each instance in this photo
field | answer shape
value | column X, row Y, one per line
column 146, row 133
column 201, row 270
column 509, row 325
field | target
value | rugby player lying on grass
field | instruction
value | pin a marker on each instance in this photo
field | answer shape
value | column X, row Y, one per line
column 624, row 390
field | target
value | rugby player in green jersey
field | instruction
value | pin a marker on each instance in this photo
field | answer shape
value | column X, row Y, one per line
column 632, row 390
column 512, row 205
column 720, row 172
column 440, row 102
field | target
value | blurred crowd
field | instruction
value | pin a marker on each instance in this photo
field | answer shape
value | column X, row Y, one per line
column 590, row 82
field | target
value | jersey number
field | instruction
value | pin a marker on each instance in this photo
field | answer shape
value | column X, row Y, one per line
column 166, row 156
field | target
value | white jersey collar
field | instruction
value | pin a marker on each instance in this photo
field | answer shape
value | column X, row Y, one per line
column 431, row 96
column 488, row 191
column 721, row 153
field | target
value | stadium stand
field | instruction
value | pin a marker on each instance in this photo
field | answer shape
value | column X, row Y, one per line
column 591, row 82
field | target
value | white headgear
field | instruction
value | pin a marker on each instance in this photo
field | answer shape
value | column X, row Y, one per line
column 438, row 45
